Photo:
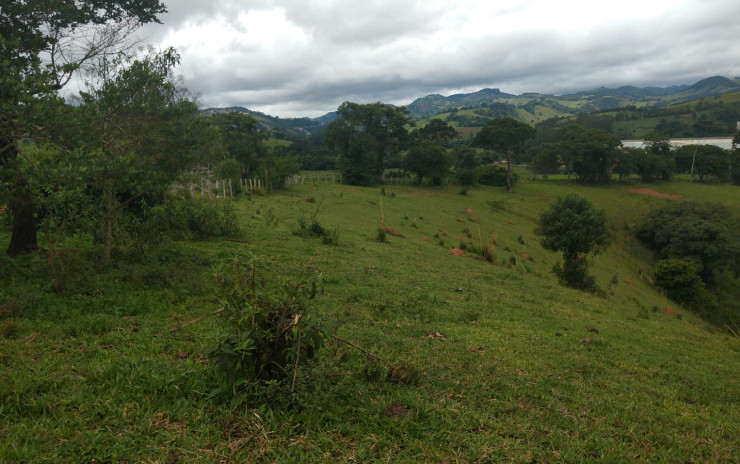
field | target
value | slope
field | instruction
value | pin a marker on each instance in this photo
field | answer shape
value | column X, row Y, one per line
column 511, row 366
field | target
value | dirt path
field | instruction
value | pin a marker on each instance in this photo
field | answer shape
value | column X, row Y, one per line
column 655, row 193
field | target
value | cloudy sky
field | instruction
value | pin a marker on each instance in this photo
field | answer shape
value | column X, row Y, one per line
column 305, row 57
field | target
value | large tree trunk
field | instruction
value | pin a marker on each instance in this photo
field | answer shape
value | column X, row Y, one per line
column 23, row 238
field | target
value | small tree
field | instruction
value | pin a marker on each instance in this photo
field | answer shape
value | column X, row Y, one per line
column 624, row 162
column 573, row 226
column 437, row 131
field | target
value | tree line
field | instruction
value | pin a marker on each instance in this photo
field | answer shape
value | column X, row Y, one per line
column 367, row 139
column 100, row 164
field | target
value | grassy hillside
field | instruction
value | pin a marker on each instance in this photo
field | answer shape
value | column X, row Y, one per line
column 511, row 366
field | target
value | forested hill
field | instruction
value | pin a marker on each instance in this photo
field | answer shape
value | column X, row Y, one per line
column 474, row 109
column 599, row 99
column 279, row 128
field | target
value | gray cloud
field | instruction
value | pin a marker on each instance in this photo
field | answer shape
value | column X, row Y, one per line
column 295, row 58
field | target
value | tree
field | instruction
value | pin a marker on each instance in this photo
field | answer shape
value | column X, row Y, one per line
column 494, row 175
column 624, row 162
column 428, row 159
column 735, row 160
column 145, row 132
column 465, row 160
column 243, row 140
column 703, row 233
column 704, row 160
column 38, row 55
column 437, row 131
column 507, row 135
column 590, row 152
column 572, row 226
column 546, row 159
column 657, row 162
column 366, row 137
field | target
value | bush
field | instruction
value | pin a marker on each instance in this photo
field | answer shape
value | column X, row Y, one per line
column 680, row 279
column 703, row 233
column 266, row 337
column 315, row 229
column 184, row 217
column 494, row 175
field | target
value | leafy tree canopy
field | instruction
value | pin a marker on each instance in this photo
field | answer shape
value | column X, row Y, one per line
column 365, row 137
column 504, row 134
column 590, row 152
column 42, row 43
column 428, row 159
column 572, row 226
column 704, row 233
column 437, row 131
column 705, row 160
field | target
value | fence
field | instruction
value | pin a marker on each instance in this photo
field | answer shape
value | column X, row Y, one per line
column 315, row 177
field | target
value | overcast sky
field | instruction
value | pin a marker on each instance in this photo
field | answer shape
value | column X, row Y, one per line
column 305, row 57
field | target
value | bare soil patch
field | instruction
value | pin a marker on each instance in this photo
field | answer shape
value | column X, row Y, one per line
column 655, row 193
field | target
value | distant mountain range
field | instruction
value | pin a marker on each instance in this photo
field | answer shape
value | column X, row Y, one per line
column 587, row 101
column 530, row 107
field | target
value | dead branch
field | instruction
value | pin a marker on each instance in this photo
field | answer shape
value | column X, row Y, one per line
column 363, row 350
column 197, row 319
column 297, row 354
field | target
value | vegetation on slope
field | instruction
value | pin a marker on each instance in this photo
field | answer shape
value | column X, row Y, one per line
column 512, row 366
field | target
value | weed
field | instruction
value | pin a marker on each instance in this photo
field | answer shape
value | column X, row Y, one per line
column 271, row 218
column 266, row 337
column 381, row 229
column 381, row 234
column 315, row 229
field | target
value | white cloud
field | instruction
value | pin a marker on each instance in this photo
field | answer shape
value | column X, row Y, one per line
column 293, row 58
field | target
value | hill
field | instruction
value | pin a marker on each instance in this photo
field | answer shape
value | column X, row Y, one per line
column 589, row 101
column 278, row 128
column 508, row 366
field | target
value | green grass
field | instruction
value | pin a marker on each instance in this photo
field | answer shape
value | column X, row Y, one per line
column 513, row 367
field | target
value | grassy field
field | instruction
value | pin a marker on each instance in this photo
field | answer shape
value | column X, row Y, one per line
column 512, row 367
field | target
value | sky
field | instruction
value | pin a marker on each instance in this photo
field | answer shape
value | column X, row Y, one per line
column 296, row 58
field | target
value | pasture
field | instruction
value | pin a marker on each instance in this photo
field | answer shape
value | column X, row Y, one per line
column 510, row 366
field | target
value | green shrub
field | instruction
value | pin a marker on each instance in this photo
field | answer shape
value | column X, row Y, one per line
column 494, row 175
column 680, row 279
column 703, row 233
column 267, row 335
column 183, row 216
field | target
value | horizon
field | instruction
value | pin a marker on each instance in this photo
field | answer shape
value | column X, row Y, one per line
column 319, row 114
column 291, row 59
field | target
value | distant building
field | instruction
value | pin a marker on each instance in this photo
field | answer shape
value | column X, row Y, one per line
column 722, row 142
